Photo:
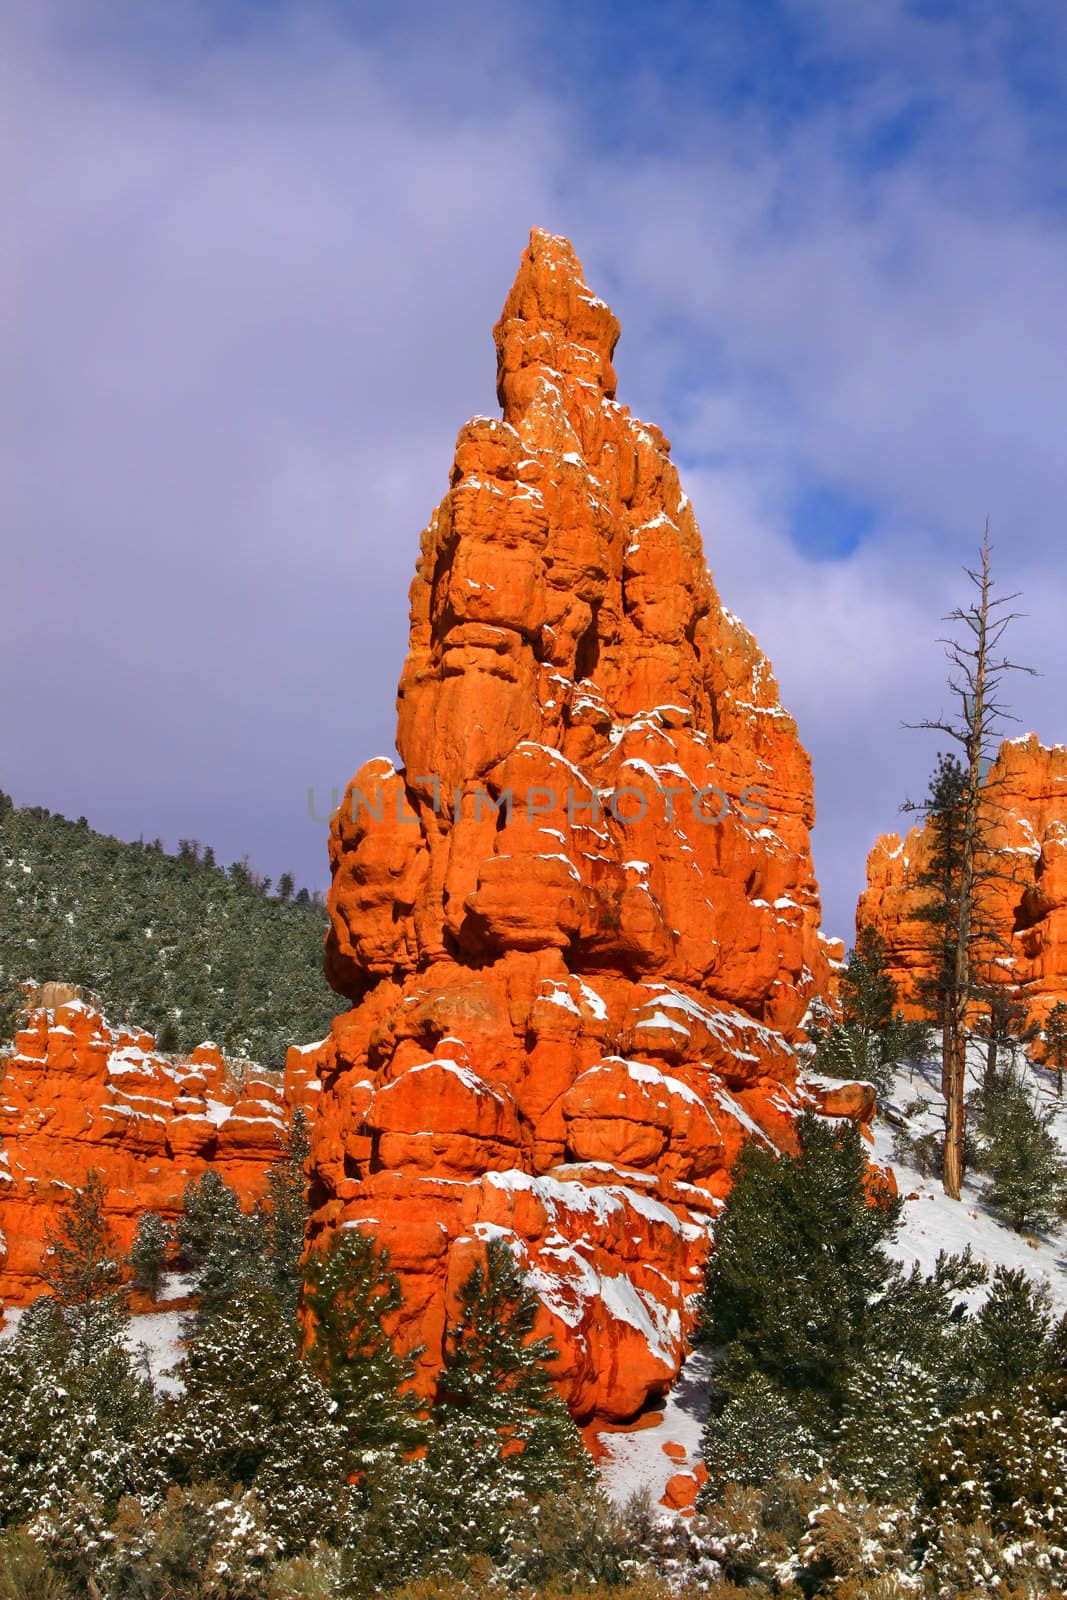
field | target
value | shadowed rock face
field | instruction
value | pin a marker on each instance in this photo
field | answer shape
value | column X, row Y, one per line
column 1024, row 905
column 579, row 921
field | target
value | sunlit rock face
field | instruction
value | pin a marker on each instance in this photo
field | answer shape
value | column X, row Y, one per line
column 578, row 922
column 1023, row 900
column 80, row 1094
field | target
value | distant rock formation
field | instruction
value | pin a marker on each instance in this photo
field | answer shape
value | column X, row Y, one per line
column 79, row 1094
column 579, row 922
column 1025, row 907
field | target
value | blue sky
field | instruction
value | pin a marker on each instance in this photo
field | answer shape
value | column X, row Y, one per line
column 254, row 255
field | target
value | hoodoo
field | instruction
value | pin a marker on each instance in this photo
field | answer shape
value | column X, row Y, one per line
column 578, row 922
column 1023, row 895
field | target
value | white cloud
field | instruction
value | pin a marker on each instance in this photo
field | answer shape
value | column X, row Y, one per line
column 248, row 301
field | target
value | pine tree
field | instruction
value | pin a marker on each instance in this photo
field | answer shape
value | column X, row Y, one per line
column 71, row 1425
column 353, row 1297
column 500, row 1435
column 215, row 1237
column 943, row 811
column 960, row 811
column 872, row 1038
column 494, row 1380
column 12, row 1003
column 82, row 1268
column 499, row 1440
column 1058, row 1348
column 153, row 1241
column 1026, row 1165
column 1056, row 1043
column 798, row 1263
column 1006, row 1027
column 1009, row 1340
column 253, row 1415
column 889, row 1414
column 912, row 1375
column 844, row 1050
column 756, row 1432
column 167, row 1036
column 287, row 1214
column 868, row 996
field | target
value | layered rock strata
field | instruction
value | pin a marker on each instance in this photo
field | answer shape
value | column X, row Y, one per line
column 578, row 920
column 78, row 1094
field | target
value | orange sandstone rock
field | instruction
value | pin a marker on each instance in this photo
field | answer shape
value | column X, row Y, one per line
column 681, row 1492
column 1025, row 907
column 578, row 922
column 79, row 1094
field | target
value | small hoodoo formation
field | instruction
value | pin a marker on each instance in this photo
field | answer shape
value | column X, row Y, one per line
column 79, row 1095
column 1023, row 897
column 578, row 923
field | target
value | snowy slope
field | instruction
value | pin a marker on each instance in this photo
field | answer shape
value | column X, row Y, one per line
column 634, row 1462
column 930, row 1223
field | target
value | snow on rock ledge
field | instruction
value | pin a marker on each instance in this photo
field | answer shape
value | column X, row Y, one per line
column 568, row 1014
column 79, row 1094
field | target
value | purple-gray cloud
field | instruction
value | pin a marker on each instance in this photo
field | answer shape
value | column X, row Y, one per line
column 247, row 298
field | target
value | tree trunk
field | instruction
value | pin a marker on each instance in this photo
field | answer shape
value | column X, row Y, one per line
column 991, row 1061
column 946, row 1047
column 955, row 1066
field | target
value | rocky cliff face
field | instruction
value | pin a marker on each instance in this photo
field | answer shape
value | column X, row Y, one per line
column 80, row 1094
column 578, row 922
column 1025, row 907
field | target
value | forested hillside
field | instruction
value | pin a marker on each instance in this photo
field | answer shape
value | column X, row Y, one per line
column 178, row 944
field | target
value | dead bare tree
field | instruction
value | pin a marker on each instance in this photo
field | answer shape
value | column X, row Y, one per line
column 977, row 670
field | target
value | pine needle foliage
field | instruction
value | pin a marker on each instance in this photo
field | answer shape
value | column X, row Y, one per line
column 153, row 1242
column 286, row 1214
column 500, row 1437
column 176, row 943
column 223, row 1245
column 1009, row 1340
column 494, row 1384
column 798, row 1262
column 353, row 1296
column 83, row 1268
column 71, row 1424
column 1023, row 1157
column 871, row 1039
column 1056, row 1043
column 253, row 1416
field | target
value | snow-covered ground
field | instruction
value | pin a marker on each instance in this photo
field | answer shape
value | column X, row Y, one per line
column 932, row 1223
column 634, row 1462
column 157, row 1335
column 929, row 1224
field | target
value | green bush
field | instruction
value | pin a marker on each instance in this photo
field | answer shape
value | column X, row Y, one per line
column 1003, row 1465
column 798, row 1264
